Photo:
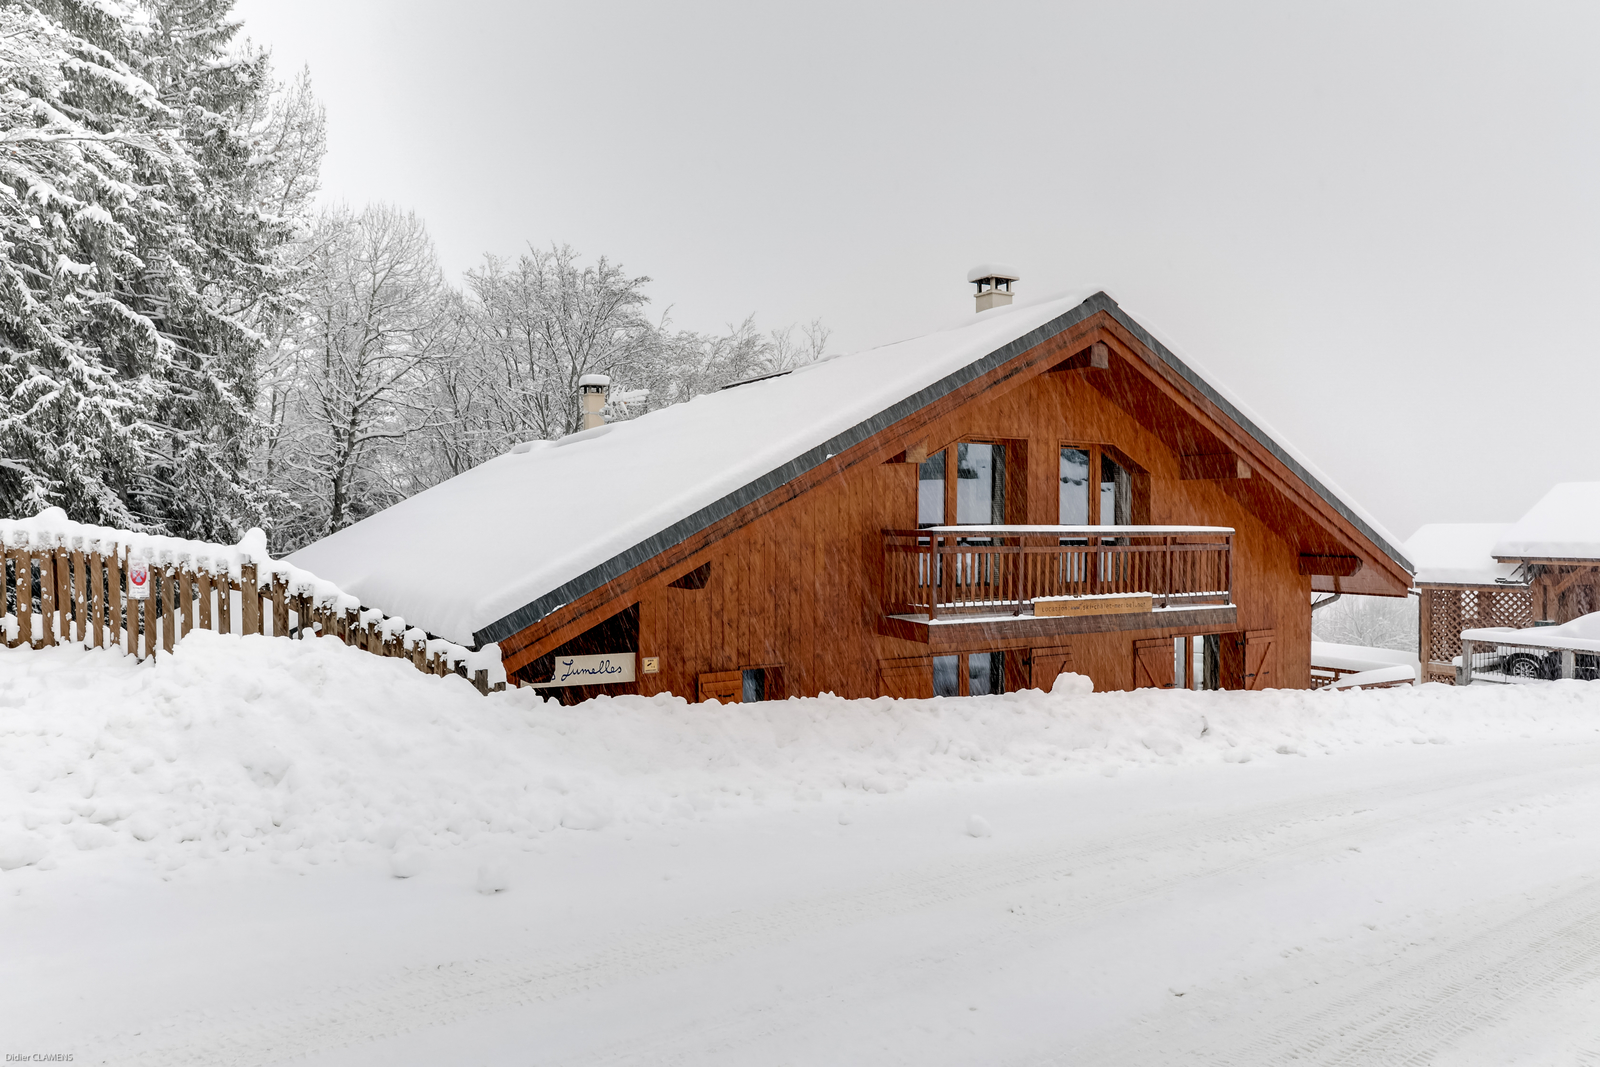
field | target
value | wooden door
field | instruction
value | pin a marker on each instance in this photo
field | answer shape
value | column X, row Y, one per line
column 724, row 686
column 905, row 679
column 1260, row 659
column 1047, row 664
column 1152, row 664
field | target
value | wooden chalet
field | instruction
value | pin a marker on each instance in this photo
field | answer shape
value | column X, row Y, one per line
column 1046, row 488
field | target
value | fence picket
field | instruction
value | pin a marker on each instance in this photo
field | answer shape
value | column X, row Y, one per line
column 249, row 601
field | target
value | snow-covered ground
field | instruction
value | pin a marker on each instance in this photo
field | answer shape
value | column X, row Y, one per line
column 204, row 858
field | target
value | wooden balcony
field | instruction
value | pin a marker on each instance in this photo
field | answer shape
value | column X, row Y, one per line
column 955, row 574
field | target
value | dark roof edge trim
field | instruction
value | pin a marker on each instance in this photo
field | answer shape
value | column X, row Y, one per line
column 678, row 532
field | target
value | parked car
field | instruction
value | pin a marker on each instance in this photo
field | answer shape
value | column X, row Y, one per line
column 1532, row 663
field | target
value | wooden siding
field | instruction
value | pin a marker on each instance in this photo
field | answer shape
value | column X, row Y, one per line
column 795, row 578
column 799, row 585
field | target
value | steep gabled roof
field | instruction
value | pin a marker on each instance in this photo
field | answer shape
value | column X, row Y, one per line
column 501, row 546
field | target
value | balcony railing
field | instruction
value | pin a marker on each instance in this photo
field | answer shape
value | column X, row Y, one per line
column 1003, row 569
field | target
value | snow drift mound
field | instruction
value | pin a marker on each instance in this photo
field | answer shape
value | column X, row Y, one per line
column 308, row 749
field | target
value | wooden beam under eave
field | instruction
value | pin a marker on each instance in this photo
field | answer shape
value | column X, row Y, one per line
column 1223, row 467
column 1096, row 357
column 1329, row 566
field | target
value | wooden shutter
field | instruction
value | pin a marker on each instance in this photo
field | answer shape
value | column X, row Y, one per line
column 1152, row 664
column 1260, row 659
column 1047, row 664
column 724, row 686
column 905, row 679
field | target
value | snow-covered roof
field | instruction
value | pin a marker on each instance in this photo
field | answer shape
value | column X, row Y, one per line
column 1459, row 553
column 993, row 270
column 499, row 547
column 1564, row 524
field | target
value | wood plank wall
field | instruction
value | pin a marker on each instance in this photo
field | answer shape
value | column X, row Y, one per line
column 799, row 585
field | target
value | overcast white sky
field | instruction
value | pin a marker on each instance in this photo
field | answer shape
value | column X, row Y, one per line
column 1376, row 224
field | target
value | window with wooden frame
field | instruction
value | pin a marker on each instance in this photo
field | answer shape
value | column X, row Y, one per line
column 969, row 674
column 1100, row 486
column 976, row 482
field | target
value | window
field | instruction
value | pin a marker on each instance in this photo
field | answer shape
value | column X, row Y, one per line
column 1074, row 487
column 1084, row 466
column 986, row 673
column 980, row 484
column 971, row 477
column 1116, row 494
column 930, row 491
column 755, row 686
column 1196, row 661
column 969, row 674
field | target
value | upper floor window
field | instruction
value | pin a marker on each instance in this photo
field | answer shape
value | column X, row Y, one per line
column 968, row 479
column 1095, row 489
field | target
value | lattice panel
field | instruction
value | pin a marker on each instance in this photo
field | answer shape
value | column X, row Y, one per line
column 1455, row 610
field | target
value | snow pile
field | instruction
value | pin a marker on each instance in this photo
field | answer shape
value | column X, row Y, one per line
column 307, row 750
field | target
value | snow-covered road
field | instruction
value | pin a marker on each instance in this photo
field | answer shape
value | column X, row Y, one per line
column 1433, row 903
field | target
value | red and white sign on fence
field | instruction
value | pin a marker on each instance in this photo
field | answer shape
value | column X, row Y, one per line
column 138, row 581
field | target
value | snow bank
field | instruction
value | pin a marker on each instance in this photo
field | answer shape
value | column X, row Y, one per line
column 309, row 751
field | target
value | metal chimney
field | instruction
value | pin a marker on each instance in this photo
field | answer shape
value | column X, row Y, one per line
column 994, row 281
column 592, row 390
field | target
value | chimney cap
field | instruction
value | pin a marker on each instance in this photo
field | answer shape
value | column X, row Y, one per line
column 993, row 270
column 598, row 381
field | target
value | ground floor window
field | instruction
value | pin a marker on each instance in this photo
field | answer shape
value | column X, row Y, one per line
column 1196, row 661
column 969, row 674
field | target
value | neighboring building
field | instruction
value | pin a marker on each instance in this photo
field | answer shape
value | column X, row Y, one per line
column 1542, row 570
column 1462, row 587
column 1556, row 550
column 1045, row 488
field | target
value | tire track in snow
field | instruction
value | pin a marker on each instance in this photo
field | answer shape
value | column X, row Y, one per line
column 411, row 999
column 1414, row 1015
column 733, row 1030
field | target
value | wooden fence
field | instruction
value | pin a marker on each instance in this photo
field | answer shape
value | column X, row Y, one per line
column 63, row 582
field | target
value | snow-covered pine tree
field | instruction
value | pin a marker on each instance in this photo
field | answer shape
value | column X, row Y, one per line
column 84, row 142
column 137, row 250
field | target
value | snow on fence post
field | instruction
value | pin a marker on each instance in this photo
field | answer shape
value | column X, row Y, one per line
column 24, row 564
column 249, row 601
column 114, row 597
column 280, row 607
column 47, row 599
column 152, row 604
column 63, row 594
column 97, row 586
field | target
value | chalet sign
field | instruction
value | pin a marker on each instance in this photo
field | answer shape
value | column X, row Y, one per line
column 604, row 669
